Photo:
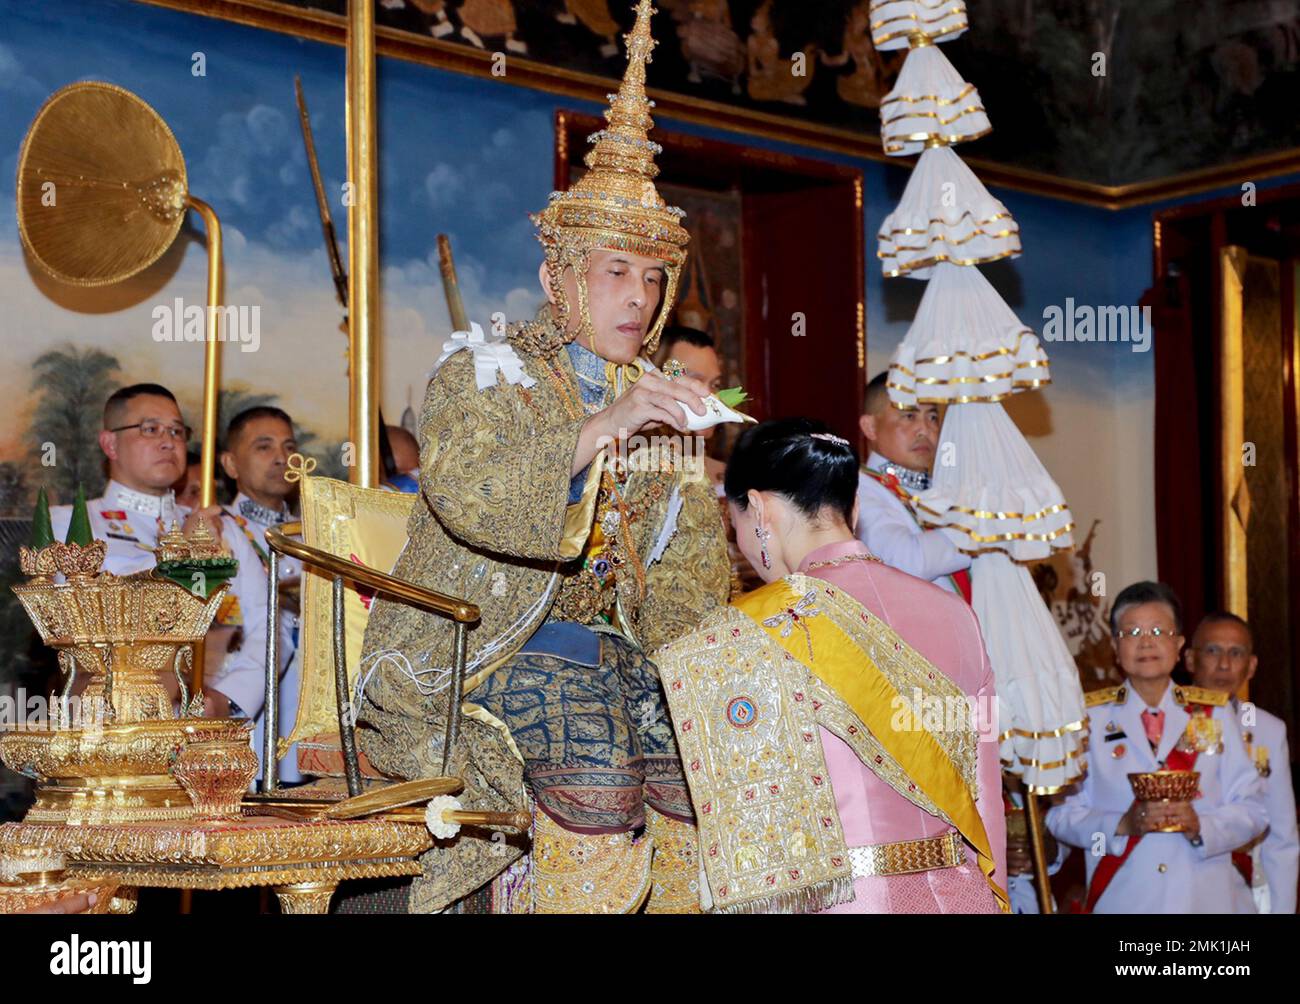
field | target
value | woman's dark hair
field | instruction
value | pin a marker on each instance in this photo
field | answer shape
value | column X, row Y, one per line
column 790, row 457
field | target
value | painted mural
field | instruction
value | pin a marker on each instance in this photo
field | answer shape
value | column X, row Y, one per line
column 1076, row 88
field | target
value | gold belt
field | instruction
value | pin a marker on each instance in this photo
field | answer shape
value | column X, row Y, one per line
column 905, row 857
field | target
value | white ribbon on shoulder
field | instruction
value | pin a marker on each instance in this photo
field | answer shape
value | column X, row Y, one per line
column 491, row 356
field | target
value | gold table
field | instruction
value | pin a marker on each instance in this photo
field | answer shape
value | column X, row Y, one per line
column 303, row 860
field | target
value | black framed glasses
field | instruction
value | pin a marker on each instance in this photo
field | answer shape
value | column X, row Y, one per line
column 153, row 430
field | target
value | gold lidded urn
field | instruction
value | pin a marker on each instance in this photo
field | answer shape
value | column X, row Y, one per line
column 108, row 754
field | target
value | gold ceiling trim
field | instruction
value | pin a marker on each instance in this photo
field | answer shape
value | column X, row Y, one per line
column 332, row 28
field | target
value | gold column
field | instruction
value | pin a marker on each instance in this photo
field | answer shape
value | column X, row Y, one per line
column 363, row 246
column 211, row 354
column 211, row 400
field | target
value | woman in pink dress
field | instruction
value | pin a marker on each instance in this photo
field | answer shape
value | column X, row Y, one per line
column 840, row 670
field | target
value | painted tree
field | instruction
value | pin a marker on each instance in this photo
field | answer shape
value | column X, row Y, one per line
column 73, row 384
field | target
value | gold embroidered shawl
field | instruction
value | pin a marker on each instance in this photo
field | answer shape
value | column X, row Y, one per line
column 747, row 691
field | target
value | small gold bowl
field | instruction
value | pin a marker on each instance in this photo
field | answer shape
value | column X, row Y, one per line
column 1166, row 786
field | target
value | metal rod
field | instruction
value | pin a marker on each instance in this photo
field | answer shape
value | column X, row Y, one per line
column 347, row 737
column 389, row 585
column 363, row 245
column 271, row 722
column 1037, row 845
column 467, row 817
column 211, row 389
column 457, row 689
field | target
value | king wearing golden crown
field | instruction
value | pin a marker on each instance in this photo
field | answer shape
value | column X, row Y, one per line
column 580, row 563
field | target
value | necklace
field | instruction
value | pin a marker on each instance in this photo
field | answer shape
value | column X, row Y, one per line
column 843, row 561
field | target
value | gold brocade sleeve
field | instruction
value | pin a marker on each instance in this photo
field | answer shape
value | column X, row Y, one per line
column 494, row 473
column 693, row 578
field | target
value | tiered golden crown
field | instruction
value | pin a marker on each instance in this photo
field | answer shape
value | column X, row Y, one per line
column 615, row 205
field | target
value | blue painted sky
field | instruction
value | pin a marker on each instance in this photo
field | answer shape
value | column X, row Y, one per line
column 457, row 157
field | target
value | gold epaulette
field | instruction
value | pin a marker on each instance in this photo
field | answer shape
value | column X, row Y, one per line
column 1200, row 695
column 1106, row 695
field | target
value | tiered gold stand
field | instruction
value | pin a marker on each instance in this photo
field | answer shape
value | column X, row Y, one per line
column 130, row 794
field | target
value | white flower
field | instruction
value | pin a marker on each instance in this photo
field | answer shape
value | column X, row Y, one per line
column 441, row 828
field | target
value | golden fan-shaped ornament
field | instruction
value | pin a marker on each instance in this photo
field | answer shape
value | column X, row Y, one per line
column 102, row 188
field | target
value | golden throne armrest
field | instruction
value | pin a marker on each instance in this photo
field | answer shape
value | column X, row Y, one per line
column 341, row 570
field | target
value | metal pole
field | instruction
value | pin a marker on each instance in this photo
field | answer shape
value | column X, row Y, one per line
column 211, row 389
column 363, row 245
column 347, row 738
column 457, row 690
column 1037, row 845
column 271, row 735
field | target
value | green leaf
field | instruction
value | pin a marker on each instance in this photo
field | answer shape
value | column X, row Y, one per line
column 42, row 530
column 732, row 397
column 198, row 575
column 79, row 526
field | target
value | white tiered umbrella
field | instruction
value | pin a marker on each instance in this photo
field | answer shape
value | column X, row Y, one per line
column 989, row 491
column 930, row 103
column 1040, row 703
column 965, row 345
column 945, row 214
column 893, row 22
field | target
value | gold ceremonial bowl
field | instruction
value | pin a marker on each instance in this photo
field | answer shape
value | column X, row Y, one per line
column 1166, row 786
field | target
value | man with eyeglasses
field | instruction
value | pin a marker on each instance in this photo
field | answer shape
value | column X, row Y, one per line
column 144, row 439
column 1160, row 857
column 1222, row 657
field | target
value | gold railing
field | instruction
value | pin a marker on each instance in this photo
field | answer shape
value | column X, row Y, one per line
column 461, row 612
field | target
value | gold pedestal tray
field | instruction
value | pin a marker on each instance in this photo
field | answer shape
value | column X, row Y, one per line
column 115, row 773
column 304, row 860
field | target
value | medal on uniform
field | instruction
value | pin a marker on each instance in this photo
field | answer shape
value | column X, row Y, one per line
column 1118, row 751
column 1261, row 761
column 1203, row 735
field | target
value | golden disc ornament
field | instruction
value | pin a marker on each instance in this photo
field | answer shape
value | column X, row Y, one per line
column 102, row 190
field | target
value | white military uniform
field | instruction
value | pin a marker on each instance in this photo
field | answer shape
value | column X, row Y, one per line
column 250, row 521
column 130, row 523
column 890, row 530
column 1165, row 873
column 1276, row 858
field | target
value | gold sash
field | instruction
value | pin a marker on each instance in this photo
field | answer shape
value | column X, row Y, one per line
column 747, row 692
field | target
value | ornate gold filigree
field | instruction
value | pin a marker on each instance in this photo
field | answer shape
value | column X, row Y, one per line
column 216, row 773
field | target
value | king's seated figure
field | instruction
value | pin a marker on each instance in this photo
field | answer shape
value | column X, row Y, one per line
column 581, row 562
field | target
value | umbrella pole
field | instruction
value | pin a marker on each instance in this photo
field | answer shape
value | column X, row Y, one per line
column 1037, row 846
column 211, row 389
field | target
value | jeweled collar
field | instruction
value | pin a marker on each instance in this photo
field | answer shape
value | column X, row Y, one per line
column 161, row 507
column 263, row 515
column 915, row 481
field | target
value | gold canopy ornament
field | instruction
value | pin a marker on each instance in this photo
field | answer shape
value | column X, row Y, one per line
column 614, row 206
column 101, row 185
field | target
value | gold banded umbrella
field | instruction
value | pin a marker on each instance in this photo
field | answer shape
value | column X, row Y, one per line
column 102, row 194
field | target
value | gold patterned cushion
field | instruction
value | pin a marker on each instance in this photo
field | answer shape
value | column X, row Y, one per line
column 363, row 525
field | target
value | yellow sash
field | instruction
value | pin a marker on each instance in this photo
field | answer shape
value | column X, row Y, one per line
column 795, row 613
